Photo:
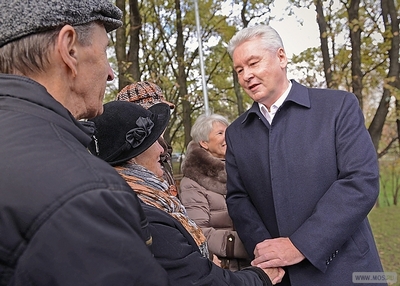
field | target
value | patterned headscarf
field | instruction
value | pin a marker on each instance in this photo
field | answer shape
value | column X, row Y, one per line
column 143, row 93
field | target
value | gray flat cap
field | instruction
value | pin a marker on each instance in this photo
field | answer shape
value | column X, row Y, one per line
column 24, row 17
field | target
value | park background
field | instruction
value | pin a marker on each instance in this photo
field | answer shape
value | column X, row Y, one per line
column 351, row 45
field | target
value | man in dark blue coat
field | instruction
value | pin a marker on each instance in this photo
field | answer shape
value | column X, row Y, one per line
column 302, row 171
column 66, row 217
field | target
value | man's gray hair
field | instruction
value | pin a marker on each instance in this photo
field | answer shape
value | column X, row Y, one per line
column 269, row 38
column 30, row 54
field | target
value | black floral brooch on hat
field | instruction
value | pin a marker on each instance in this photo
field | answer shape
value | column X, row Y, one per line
column 136, row 136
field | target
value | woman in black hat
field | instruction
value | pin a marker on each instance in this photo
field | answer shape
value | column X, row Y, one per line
column 146, row 94
column 126, row 137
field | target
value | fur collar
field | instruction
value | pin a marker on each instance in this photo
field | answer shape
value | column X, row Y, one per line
column 205, row 169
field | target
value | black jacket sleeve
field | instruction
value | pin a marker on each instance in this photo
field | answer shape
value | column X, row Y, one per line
column 176, row 251
column 94, row 238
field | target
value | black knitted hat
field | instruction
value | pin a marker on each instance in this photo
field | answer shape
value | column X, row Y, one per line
column 20, row 18
column 126, row 129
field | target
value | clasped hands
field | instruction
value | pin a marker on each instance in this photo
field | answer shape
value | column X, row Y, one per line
column 272, row 254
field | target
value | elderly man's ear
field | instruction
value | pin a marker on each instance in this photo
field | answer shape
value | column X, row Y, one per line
column 68, row 47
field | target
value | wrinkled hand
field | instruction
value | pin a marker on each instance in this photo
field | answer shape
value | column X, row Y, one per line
column 276, row 252
column 275, row 274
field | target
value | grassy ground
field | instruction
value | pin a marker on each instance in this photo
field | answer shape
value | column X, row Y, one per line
column 385, row 223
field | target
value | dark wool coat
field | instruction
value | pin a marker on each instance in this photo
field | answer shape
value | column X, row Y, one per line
column 202, row 192
column 66, row 217
column 175, row 249
column 312, row 176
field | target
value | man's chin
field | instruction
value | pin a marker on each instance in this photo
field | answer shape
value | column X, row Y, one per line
column 94, row 113
column 100, row 110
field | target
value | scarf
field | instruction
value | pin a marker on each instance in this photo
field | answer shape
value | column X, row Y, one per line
column 155, row 192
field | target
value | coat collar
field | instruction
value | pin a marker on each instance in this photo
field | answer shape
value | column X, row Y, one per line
column 33, row 98
column 298, row 95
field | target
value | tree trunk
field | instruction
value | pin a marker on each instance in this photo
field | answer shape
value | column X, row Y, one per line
column 398, row 122
column 355, row 38
column 134, row 45
column 180, row 50
column 236, row 85
column 323, row 35
column 389, row 15
column 120, row 44
column 239, row 95
column 128, row 61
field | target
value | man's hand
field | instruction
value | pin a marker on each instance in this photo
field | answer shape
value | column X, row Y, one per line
column 276, row 252
column 274, row 274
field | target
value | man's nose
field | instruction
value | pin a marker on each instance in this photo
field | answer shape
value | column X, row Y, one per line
column 111, row 75
column 247, row 74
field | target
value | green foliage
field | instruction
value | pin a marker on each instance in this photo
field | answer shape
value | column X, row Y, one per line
column 158, row 55
column 308, row 66
column 390, row 179
column 219, row 20
column 374, row 53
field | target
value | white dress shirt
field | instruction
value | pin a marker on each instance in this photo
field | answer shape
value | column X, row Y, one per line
column 269, row 115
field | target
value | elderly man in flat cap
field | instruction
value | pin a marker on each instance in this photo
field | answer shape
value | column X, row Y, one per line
column 66, row 217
